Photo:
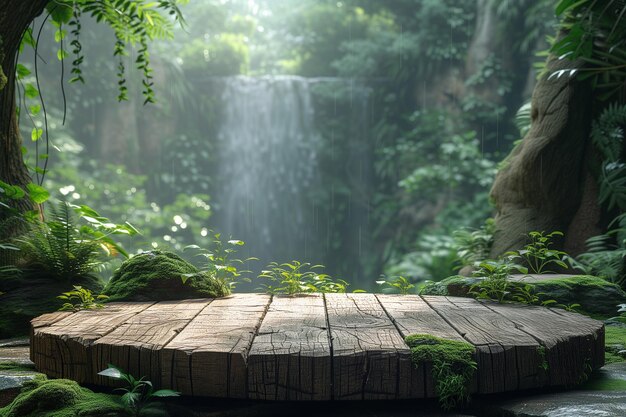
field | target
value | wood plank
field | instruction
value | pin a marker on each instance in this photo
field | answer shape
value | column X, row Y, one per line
column 49, row 319
column 290, row 357
column 208, row 357
column 134, row 346
column 370, row 358
column 61, row 349
column 506, row 355
column 567, row 349
column 412, row 315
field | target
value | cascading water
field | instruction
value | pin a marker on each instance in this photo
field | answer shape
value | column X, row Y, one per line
column 268, row 167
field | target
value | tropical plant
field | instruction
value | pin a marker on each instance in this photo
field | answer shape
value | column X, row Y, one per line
column 474, row 245
column 65, row 251
column 538, row 255
column 296, row 277
column 607, row 134
column 81, row 299
column 494, row 282
column 57, row 248
column 139, row 394
column 398, row 284
column 606, row 254
column 219, row 263
column 594, row 32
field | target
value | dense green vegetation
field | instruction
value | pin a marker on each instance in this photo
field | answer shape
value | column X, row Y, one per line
column 397, row 118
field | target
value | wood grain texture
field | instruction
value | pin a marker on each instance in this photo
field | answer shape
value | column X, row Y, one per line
column 290, row 357
column 315, row 347
column 135, row 345
column 506, row 357
column 567, row 350
column 208, row 358
column 412, row 315
column 370, row 358
column 61, row 349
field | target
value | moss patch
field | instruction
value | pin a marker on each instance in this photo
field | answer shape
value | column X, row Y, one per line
column 61, row 398
column 453, row 366
column 157, row 275
column 595, row 295
column 16, row 366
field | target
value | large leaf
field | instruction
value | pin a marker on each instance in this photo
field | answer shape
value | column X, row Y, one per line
column 60, row 11
column 37, row 193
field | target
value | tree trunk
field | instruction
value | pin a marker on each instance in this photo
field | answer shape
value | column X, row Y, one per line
column 541, row 187
column 15, row 16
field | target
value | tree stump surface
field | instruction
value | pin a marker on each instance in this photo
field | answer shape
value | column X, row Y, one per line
column 317, row 346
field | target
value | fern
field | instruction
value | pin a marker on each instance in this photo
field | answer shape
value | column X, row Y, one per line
column 57, row 249
column 607, row 133
column 606, row 254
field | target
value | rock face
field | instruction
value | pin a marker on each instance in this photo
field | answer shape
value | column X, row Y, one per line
column 594, row 295
column 541, row 185
column 159, row 276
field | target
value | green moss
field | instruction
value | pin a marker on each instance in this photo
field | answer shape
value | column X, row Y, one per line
column 615, row 335
column 453, row 366
column 543, row 364
column 596, row 296
column 61, row 398
column 15, row 366
column 159, row 276
column 610, row 357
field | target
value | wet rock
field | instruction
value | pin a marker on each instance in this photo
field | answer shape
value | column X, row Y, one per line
column 11, row 383
column 594, row 295
column 564, row 404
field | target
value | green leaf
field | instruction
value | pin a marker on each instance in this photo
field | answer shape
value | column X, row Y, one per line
column 111, row 372
column 61, row 54
column 59, row 35
column 37, row 193
column 22, row 71
column 165, row 393
column 35, row 109
column 60, row 11
column 30, row 91
column 36, row 134
column 12, row 191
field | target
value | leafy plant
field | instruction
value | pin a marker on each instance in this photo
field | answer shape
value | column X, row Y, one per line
column 494, row 284
column 474, row 245
column 525, row 294
column 139, row 394
column 219, row 262
column 58, row 248
column 594, row 32
column 297, row 278
column 81, row 299
column 538, row 255
column 64, row 250
column 398, row 283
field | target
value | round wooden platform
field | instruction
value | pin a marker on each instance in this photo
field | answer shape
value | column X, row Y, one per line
column 316, row 347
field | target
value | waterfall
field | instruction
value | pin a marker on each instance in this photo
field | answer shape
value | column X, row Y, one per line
column 267, row 155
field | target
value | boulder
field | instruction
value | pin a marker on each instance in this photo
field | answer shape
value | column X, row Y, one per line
column 595, row 295
column 160, row 275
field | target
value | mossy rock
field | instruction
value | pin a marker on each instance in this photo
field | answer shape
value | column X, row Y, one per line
column 42, row 397
column 29, row 296
column 595, row 295
column 160, row 275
